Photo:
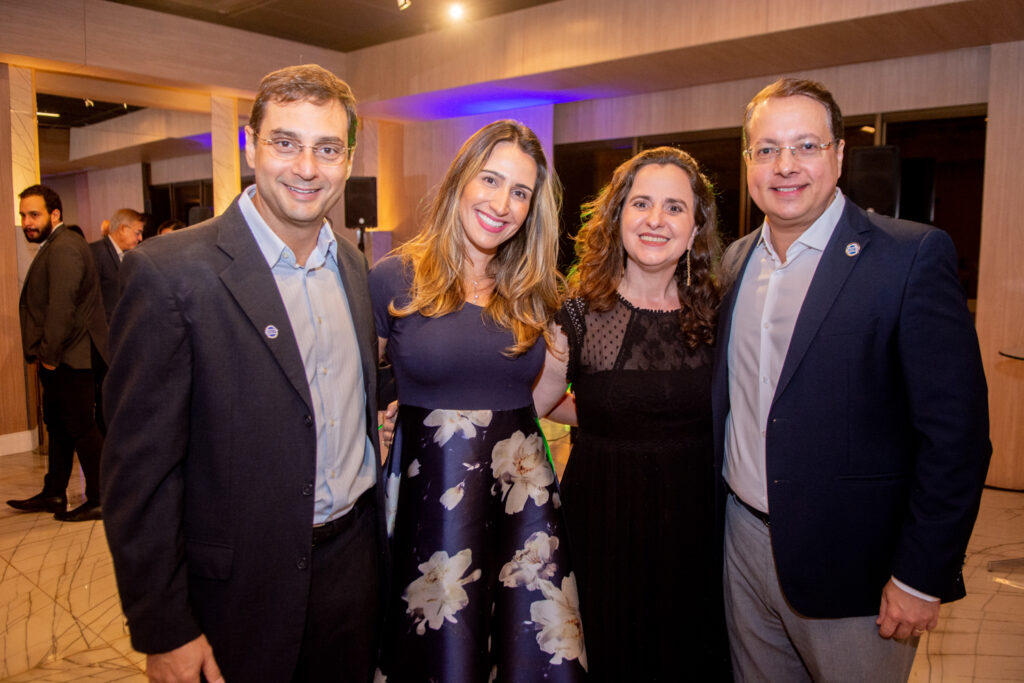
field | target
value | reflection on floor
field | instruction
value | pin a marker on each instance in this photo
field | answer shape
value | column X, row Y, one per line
column 60, row 619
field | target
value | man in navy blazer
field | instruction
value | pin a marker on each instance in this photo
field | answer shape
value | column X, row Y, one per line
column 242, row 454
column 851, row 418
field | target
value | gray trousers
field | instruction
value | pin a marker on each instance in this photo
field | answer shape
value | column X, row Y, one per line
column 773, row 643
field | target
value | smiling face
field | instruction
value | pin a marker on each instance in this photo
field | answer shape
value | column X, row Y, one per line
column 792, row 192
column 496, row 201
column 658, row 218
column 36, row 221
column 294, row 195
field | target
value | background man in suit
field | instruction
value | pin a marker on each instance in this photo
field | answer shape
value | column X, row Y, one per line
column 242, row 455
column 63, row 329
column 124, row 234
column 851, row 414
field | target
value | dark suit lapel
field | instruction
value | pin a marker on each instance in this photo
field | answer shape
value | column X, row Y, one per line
column 251, row 283
column 112, row 252
column 833, row 269
column 720, row 381
column 358, row 294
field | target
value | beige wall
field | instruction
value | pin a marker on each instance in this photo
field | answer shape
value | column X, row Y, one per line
column 1001, row 276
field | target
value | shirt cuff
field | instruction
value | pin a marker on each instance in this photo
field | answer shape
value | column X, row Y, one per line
column 916, row 593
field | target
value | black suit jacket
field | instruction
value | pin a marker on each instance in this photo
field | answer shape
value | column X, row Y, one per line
column 61, row 310
column 209, row 465
column 107, row 265
column 877, row 437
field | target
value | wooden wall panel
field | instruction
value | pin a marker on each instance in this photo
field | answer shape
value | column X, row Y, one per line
column 938, row 80
column 1001, row 278
column 112, row 189
column 13, row 410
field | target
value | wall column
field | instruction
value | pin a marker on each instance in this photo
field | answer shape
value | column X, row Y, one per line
column 19, row 168
column 1000, row 317
column 227, row 180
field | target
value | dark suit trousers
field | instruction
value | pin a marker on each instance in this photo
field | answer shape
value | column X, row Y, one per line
column 69, row 412
column 342, row 617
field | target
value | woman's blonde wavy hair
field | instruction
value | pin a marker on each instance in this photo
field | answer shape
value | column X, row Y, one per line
column 600, row 256
column 527, row 285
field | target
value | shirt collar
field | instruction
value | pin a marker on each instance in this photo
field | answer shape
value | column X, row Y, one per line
column 117, row 249
column 273, row 247
column 816, row 236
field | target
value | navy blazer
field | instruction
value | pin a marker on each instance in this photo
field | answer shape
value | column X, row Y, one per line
column 209, row 465
column 877, row 437
column 107, row 265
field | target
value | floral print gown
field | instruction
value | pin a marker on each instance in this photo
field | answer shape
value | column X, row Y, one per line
column 482, row 588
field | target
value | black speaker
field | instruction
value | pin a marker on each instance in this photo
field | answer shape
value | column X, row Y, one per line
column 361, row 202
column 873, row 178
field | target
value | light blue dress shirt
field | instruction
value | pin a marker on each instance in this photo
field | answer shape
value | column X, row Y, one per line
column 318, row 311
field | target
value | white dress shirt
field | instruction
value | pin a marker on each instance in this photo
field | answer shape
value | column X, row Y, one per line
column 768, row 302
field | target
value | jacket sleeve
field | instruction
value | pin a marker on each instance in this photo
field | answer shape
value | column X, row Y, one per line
column 147, row 402
column 948, row 402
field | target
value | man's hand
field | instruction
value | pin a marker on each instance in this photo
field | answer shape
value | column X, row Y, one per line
column 903, row 615
column 183, row 664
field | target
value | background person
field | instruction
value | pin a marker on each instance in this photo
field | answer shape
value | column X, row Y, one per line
column 64, row 331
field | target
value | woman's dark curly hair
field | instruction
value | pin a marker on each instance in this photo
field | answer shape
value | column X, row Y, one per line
column 600, row 256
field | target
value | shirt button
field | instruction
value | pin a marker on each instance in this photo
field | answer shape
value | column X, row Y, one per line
column 764, row 380
column 307, row 490
column 766, row 326
column 308, row 420
column 301, row 563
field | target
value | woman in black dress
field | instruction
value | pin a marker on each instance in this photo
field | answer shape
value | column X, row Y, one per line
column 634, row 341
column 482, row 588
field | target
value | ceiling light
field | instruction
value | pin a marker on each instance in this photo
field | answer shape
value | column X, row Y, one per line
column 89, row 103
column 404, row 4
column 48, row 114
column 455, row 11
column 870, row 130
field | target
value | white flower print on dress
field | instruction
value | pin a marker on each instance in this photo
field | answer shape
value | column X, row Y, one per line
column 558, row 618
column 531, row 563
column 391, row 502
column 413, row 469
column 438, row 594
column 453, row 496
column 519, row 465
column 451, row 421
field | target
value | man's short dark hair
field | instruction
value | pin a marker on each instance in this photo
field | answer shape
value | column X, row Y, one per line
column 50, row 198
column 305, row 82
column 788, row 87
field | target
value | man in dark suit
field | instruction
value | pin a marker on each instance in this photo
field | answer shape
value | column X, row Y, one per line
column 64, row 331
column 240, row 474
column 124, row 234
column 851, row 418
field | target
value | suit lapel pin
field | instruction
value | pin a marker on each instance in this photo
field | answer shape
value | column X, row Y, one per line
column 270, row 331
column 852, row 249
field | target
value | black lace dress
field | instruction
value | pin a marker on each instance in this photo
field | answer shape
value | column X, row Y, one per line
column 639, row 497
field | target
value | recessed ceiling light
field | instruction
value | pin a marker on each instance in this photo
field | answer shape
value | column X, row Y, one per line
column 456, row 11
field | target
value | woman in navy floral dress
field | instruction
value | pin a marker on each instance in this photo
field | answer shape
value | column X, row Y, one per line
column 482, row 589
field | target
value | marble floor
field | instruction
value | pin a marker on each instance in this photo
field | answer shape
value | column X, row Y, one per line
column 60, row 619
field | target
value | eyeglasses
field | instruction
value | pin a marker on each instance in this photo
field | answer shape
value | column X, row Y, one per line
column 285, row 149
column 805, row 150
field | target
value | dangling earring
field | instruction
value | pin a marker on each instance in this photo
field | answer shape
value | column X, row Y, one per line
column 688, row 267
